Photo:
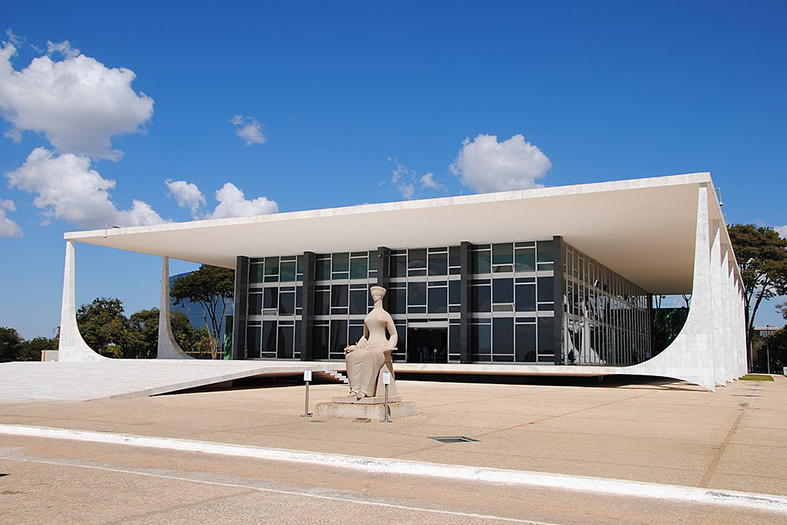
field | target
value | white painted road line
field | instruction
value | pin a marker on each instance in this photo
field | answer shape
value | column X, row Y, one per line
column 287, row 492
column 613, row 487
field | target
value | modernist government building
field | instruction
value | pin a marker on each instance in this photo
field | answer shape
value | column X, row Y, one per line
column 546, row 281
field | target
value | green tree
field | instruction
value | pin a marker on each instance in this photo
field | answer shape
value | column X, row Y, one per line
column 10, row 345
column 103, row 326
column 762, row 257
column 210, row 287
column 141, row 340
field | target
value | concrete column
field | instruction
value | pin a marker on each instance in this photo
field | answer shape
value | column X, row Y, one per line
column 726, row 328
column 717, row 340
column 168, row 348
column 384, row 272
column 558, row 254
column 72, row 347
column 307, row 306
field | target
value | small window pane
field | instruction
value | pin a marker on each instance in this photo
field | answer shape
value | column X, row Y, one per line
column 546, row 290
column 545, row 251
column 525, row 298
column 358, row 301
column 287, row 303
column 525, row 260
column 322, row 270
column 503, row 253
column 253, row 342
column 481, row 262
column 270, row 298
column 416, row 293
column 269, row 338
column 437, row 300
column 438, row 264
column 502, row 291
column 482, row 342
column 358, row 268
column 285, row 343
column 322, row 302
column 546, row 338
column 503, row 334
column 320, row 342
column 339, row 295
column 341, row 262
column 454, row 292
column 271, row 266
column 338, row 336
column 288, row 271
column 454, row 256
column 482, row 298
column 526, row 343
column 416, row 258
column 255, row 304
column 255, row 273
column 399, row 266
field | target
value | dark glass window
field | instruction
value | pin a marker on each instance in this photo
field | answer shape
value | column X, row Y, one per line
column 356, row 332
column 270, row 298
column 372, row 261
column 416, row 258
column 253, row 341
column 399, row 266
column 546, row 337
column 454, row 342
column 255, row 273
column 287, row 303
column 322, row 270
column 482, row 342
column 255, row 304
column 454, row 292
column 358, row 301
column 298, row 296
column 339, row 295
column 416, row 293
column 358, row 268
column 482, row 298
column 525, row 298
column 503, row 333
column 288, row 271
column 320, row 342
column 526, row 343
column 525, row 260
column 286, row 336
column 503, row 253
column 338, row 336
column 438, row 264
column 341, row 262
column 545, row 251
column 546, row 289
column 502, row 291
column 322, row 302
column 298, row 329
column 269, row 337
column 438, row 300
column 454, row 256
column 481, row 262
column 271, row 266
column 397, row 301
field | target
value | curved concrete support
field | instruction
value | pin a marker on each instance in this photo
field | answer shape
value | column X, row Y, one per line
column 72, row 347
column 690, row 357
column 168, row 348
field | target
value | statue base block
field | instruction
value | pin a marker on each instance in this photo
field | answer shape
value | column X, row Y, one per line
column 349, row 410
column 367, row 400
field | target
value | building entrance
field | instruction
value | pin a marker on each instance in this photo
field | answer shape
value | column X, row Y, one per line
column 427, row 345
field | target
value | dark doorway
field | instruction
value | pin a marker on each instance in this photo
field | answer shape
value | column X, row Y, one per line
column 427, row 345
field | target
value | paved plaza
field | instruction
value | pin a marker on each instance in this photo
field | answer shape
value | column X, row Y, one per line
column 664, row 434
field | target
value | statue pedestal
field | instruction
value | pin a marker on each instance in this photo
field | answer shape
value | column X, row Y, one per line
column 369, row 407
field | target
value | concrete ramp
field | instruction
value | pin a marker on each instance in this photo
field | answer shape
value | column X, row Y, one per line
column 30, row 382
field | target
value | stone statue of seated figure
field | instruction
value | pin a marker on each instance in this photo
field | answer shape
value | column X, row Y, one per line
column 371, row 355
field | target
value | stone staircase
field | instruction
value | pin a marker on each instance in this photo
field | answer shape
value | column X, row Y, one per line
column 334, row 374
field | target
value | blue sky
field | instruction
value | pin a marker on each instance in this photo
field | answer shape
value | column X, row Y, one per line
column 350, row 102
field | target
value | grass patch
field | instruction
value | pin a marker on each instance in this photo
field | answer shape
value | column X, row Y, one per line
column 757, row 377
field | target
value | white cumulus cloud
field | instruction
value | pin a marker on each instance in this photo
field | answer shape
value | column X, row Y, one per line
column 8, row 228
column 427, row 181
column 782, row 230
column 248, row 129
column 65, row 187
column 486, row 165
column 77, row 103
column 233, row 203
column 405, row 180
column 187, row 195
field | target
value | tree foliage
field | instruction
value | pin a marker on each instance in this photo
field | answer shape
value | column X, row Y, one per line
column 109, row 332
column 210, row 287
column 10, row 345
column 762, row 257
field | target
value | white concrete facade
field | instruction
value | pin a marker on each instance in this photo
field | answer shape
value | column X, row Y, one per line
column 681, row 246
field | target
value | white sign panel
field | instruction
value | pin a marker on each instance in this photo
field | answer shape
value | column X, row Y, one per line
column 386, row 378
column 307, row 375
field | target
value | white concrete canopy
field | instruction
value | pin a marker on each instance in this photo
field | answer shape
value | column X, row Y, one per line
column 643, row 229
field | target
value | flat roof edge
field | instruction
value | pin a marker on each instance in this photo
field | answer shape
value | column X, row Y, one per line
column 478, row 198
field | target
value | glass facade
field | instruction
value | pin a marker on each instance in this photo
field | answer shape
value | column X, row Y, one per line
column 511, row 316
column 605, row 318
